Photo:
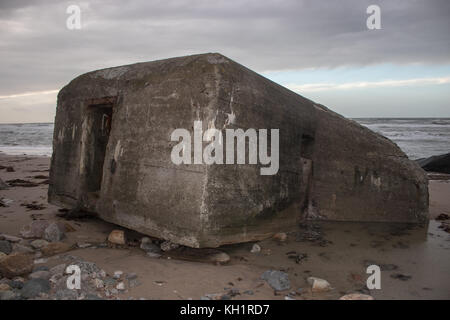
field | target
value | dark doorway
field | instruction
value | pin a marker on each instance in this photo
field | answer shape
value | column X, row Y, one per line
column 99, row 119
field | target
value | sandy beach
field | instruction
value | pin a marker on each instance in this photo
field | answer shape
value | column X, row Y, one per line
column 414, row 260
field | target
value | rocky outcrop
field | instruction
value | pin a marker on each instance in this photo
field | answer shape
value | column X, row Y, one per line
column 440, row 163
column 112, row 156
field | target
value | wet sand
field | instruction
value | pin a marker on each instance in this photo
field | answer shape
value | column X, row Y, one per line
column 337, row 252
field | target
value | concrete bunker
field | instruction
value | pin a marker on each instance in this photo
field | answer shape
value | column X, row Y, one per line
column 112, row 152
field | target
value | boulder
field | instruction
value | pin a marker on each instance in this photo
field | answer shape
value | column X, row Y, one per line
column 439, row 163
column 16, row 264
column 54, row 232
column 35, row 287
column 35, row 229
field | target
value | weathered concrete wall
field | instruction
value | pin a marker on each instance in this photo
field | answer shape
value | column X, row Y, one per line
column 330, row 167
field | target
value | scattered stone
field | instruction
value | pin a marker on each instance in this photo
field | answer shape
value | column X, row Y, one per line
column 356, row 296
column 66, row 294
column 83, row 245
column 297, row 257
column 220, row 258
column 21, row 183
column 8, row 295
column 98, row 283
column 40, row 261
column 19, row 248
column 319, row 285
column 118, row 274
column 35, row 287
column 43, row 274
column 16, row 264
column 4, row 287
column 33, row 206
column 249, row 292
column 54, row 232
column 168, row 245
column 400, row 276
column 5, row 247
column 255, row 248
column 35, row 229
column 2, row 255
column 40, row 268
column 442, row 217
column 148, row 246
column 120, row 286
column 39, row 243
column 16, row 284
column 55, row 248
column 117, row 237
column 278, row 280
column 3, row 185
column 281, row 236
column 12, row 239
column 153, row 255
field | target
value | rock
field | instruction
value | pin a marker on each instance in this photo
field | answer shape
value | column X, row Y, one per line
column 54, row 232
column 220, row 258
column 98, row 283
column 281, row 236
column 2, row 255
column 40, row 275
column 16, row 264
column 66, row 294
column 11, row 238
column 148, row 246
column 318, row 285
column 278, row 280
column 19, row 248
column 3, row 185
column 40, row 268
column 8, row 295
column 5, row 247
column 16, row 284
column 153, row 255
column 35, row 287
column 83, row 245
column 167, row 246
column 118, row 274
column 117, row 237
column 35, row 229
column 39, row 261
column 39, row 243
column 120, row 286
column 255, row 248
column 54, row 248
column 58, row 269
column 4, row 287
column 356, row 296
column 439, row 163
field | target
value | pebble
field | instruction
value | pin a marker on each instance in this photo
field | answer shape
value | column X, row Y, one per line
column 356, row 296
column 8, row 295
column 117, row 237
column 281, row 236
column 54, row 233
column 58, row 269
column 5, row 247
column 256, row 248
column 220, row 258
column 117, row 274
column 35, row 287
column 319, row 285
column 11, row 238
column 19, row 248
column 55, row 248
column 4, row 287
column 16, row 264
column 40, row 275
column 39, row 243
column 168, row 245
column 278, row 280
column 98, row 283
column 120, row 286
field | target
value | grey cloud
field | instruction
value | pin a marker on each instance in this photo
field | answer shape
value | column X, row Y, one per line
column 37, row 52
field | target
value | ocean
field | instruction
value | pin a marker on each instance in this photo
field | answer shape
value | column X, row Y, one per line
column 417, row 137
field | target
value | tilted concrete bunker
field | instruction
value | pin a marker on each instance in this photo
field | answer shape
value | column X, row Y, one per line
column 112, row 155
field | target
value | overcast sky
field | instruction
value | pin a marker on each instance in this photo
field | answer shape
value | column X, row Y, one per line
column 320, row 49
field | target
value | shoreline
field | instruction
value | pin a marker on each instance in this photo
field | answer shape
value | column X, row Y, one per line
column 338, row 252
